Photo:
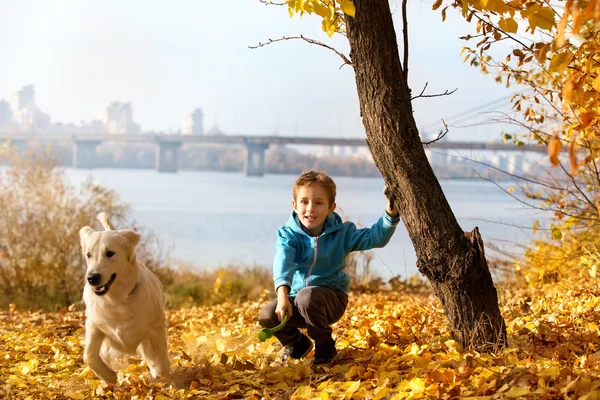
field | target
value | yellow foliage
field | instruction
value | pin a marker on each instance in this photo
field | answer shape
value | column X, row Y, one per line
column 559, row 65
column 508, row 25
column 332, row 12
column 552, row 355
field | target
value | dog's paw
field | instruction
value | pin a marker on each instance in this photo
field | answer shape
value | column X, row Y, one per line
column 109, row 377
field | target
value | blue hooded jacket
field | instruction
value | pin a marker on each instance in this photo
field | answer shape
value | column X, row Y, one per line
column 302, row 260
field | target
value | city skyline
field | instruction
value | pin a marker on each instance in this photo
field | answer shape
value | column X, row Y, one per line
column 167, row 60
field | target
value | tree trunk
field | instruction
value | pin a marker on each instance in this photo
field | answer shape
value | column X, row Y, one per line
column 452, row 260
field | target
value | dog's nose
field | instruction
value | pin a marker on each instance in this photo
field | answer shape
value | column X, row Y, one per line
column 94, row 279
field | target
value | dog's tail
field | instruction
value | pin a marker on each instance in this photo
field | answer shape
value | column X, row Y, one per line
column 105, row 222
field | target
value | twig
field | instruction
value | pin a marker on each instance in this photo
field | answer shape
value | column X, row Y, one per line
column 440, row 135
column 309, row 40
column 421, row 95
column 270, row 3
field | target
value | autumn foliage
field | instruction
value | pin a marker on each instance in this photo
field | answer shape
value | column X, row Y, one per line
column 553, row 54
column 393, row 345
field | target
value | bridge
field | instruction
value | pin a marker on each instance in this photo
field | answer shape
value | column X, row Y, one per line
column 167, row 146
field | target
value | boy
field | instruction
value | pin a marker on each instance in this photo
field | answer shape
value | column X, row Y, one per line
column 308, row 270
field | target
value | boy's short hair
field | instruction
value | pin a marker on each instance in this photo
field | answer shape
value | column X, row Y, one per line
column 310, row 177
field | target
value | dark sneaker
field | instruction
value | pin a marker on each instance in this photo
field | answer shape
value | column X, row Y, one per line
column 325, row 353
column 299, row 349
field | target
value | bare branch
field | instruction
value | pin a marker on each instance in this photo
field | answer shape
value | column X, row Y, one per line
column 309, row 40
column 271, row 3
column 489, row 221
column 440, row 135
column 421, row 95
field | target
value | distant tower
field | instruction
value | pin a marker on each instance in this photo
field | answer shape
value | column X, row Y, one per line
column 118, row 118
column 5, row 115
column 193, row 123
column 25, row 113
column 24, row 98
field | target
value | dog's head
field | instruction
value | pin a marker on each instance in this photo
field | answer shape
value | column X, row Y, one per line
column 108, row 255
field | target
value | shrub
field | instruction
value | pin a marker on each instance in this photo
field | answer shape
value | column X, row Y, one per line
column 41, row 266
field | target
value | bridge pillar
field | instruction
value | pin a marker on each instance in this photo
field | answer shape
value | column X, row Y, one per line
column 254, row 163
column 167, row 159
column 84, row 153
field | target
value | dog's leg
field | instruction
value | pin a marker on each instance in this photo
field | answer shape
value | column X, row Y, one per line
column 155, row 352
column 91, row 355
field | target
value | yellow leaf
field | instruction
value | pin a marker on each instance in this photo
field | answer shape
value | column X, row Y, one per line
column 508, row 25
column 74, row 395
column 292, row 8
column 544, row 18
column 554, row 147
column 417, row 385
column 586, row 119
column 510, row 189
column 437, row 4
column 515, row 392
column 303, row 391
column 540, row 54
column 350, row 391
column 347, row 7
column 497, row 6
column 597, row 83
column 321, row 10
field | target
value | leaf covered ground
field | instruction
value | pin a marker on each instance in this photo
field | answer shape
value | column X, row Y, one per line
column 392, row 346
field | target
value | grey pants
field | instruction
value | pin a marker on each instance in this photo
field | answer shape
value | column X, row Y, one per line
column 314, row 308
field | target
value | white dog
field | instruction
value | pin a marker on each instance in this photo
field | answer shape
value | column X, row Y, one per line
column 124, row 303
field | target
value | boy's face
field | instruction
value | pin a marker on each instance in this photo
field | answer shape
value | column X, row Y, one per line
column 312, row 206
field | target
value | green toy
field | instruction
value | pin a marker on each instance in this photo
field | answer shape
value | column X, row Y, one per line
column 267, row 333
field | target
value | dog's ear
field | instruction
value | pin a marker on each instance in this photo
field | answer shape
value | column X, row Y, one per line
column 83, row 232
column 131, row 240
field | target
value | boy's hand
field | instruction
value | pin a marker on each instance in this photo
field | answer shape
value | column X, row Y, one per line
column 283, row 303
column 392, row 207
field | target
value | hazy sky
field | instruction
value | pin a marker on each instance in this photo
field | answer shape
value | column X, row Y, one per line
column 168, row 57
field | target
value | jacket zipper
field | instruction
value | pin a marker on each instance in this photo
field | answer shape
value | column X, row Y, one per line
column 313, row 263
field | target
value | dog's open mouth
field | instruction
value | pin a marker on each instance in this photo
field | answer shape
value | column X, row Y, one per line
column 103, row 289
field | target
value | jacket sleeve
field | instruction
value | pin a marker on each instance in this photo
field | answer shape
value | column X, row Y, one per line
column 283, row 264
column 376, row 236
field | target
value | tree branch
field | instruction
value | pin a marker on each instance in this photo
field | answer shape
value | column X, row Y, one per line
column 309, row 40
column 440, row 135
column 421, row 95
column 271, row 3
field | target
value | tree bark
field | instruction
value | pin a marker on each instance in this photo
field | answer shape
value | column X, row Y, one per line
column 452, row 260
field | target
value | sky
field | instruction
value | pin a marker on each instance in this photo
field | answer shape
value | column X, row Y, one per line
column 167, row 58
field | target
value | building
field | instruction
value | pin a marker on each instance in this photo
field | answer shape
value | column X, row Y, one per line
column 5, row 115
column 193, row 123
column 25, row 114
column 118, row 119
column 22, row 99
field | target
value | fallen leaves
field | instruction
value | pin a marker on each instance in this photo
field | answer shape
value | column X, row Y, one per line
column 391, row 346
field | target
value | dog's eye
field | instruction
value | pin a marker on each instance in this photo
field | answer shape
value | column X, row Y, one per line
column 89, row 255
column 109, row 253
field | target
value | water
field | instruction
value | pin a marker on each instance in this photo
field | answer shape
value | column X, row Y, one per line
column 212, row 219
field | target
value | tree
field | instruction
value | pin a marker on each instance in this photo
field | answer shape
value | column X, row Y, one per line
column 554, row 54
column 451, row 259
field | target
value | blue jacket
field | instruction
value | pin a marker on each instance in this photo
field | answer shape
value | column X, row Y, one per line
column 302, row 260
